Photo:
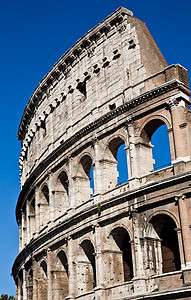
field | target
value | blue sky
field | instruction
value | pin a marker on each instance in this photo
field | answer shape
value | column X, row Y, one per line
column 34, row 34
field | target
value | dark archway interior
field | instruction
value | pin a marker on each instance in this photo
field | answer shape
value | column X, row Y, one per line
column 90, row 253
column 165, row 228
column 122, row 239
column 64, row 181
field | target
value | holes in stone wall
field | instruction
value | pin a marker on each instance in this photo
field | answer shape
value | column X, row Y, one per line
column 81, row 86
column 112, row 106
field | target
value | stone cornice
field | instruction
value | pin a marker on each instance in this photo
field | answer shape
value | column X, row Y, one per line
column 67, row 60
column 168, row 86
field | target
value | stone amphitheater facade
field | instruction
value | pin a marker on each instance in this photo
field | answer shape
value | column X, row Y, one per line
column 121, row 241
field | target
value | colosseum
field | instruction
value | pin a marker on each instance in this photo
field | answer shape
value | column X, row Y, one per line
column 84, row 234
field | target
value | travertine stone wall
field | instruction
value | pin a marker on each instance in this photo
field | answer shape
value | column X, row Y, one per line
column 108, row 240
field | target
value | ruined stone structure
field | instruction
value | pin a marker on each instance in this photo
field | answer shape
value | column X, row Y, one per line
column 118, row 241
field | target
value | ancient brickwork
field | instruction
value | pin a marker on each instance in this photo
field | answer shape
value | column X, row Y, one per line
column 82, row 235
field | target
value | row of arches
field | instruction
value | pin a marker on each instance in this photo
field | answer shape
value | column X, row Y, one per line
column 114, row 171
column 160, row 248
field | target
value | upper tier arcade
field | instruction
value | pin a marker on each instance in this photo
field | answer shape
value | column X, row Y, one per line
column 109, row 65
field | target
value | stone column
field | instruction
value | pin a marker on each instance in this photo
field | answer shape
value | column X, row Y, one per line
column 49, row 275
column 132, row 156
column 71, row 268
column 71, row 183
column 177, row 111
column 24, row 284
column 18, row 289
column 37, row 209
column 51, row 198
column 35, row 279
column 27, row 222
column 138, row 267
column 100, row 276
column 23, row 229
column 185, row 229
column 97, row 170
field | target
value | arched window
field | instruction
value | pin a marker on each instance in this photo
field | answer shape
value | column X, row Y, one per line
column 115, row 163
column 121, row 255
column 44, row 206
column 161, row 147
column 163, row 228
column 154, row 149
column 31, row 214
column 86, row 267
column 63, row 178
column 45, row 193
column 85, row 179
column 92, row 179
column 61, row 194
column 122, row 164
column 60, row 276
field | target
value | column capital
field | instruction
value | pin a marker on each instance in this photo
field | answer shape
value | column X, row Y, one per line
column 179, row 197
column 173, row 103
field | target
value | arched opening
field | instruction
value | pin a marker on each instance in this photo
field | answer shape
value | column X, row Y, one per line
column 122, row 165
column 115, row 163
column 31, row 215
column 61, row 194
column 44, row 206
column 86, row 267
column 45, row 193
column 85, row 179
column 161, row 147
column 154, row 148
column 63, row 179
column 60, row 276
column 92, row 180
column 121, row 255
column 42, row 281
column 164, row 229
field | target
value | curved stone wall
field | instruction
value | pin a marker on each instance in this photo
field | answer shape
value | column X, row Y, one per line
column 82, row 234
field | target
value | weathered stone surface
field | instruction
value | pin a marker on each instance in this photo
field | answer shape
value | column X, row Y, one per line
column 126, row 241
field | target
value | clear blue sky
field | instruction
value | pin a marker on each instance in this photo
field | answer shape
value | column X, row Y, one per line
column 34, row 34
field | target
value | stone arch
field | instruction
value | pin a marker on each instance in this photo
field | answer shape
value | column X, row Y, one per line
column 120, row 254
column 163, row 243
column 60, row 276
column 161, row 119
column 121, row 225
column 86, row 267
column 84, row 183
column 44, row 205
column 61, row 193
column 165, row 212
column 111, row 161
column 145, row 148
